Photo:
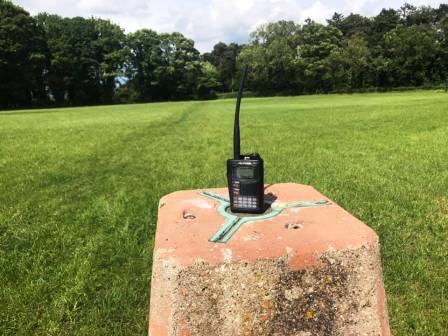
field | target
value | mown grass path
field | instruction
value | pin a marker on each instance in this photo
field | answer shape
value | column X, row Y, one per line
column 79, row 189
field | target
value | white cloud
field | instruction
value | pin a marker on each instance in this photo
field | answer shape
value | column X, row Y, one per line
column 318, row 12
column 209, row 21
column 357, row 6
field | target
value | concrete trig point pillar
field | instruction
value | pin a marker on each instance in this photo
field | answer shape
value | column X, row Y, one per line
column 309, row 269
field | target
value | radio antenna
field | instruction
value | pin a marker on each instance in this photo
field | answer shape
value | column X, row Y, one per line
column 236, row 127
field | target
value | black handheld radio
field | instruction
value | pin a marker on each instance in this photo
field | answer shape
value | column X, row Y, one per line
column 245, row 173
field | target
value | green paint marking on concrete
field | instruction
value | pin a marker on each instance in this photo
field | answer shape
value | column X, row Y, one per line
column 234, row 222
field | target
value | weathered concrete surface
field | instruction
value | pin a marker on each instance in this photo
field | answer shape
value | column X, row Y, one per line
column 306, row 272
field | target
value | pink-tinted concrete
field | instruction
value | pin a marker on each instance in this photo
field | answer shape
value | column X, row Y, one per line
column 308, row 271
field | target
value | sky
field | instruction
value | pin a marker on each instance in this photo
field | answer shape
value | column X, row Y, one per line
column 208, row 22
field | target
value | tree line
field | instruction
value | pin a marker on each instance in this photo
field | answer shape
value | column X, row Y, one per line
column 52, row 60
column 396, row 48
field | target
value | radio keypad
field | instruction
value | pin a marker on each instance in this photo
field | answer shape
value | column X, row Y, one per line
column 248, row 202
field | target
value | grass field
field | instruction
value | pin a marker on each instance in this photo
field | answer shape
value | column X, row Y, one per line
column 79, row 189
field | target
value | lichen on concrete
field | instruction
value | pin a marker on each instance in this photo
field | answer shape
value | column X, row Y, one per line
column 338, row 297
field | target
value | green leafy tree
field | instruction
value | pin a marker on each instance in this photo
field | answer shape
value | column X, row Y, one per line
column 71, row 73
column 109, row 52
column 385, row 21
column 441, row 13
column 162, row 66
column 357, row 55
column 337, row 20
column 181, row 67
column 22, row 58
column 405, row 10
column 224, row 57
column 382, row 71
column 351, row 64
column 418, row 15
column 272, row 56
column 413, row 53
column 86, row 57
column 254, row 55
column 208, row 81
column 443, row 38
column 353, row 24
column 318, row 43
column 144, row 57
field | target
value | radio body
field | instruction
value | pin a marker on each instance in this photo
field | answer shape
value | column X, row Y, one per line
column 246, row 186
column 245, row 173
